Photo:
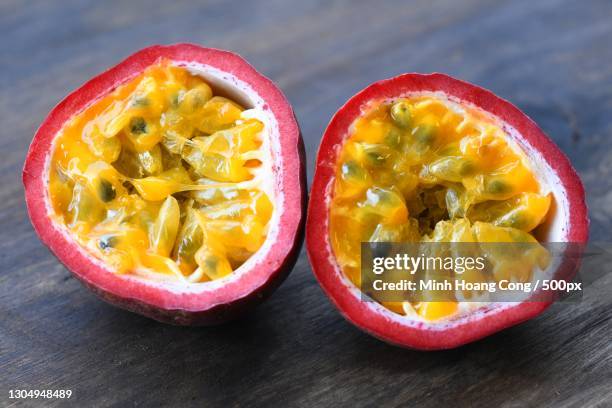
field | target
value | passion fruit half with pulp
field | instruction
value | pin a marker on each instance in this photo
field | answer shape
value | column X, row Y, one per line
column 430, row 159
column 172, row 185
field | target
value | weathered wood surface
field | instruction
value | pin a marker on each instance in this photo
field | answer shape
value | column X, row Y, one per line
column 553, row 58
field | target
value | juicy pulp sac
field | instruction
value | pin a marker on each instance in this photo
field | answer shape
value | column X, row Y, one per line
column 163, row 178
column 427, row 169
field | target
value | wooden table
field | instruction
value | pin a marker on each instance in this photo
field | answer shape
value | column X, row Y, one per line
column 553, row 58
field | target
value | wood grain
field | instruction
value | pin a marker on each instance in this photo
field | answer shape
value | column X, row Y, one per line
column 552, row 58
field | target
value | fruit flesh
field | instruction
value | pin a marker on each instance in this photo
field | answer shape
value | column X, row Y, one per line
column 163, row 178
column 426, row 169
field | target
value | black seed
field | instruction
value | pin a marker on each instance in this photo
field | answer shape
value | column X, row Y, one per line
column 138, row 126
column 424, row 134
column 497, row 187
column 376, row 158
column 106, row 191
column 174, row 100
column 467, row 168
column 400, row 113
column 393, row 138
column 108, row 241
column 211, row 263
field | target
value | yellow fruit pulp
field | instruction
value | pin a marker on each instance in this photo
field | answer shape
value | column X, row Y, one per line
column 163, row 177
column 426, row 169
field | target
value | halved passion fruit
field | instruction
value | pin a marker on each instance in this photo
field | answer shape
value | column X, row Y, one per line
column 430, row 159
column 172, row 185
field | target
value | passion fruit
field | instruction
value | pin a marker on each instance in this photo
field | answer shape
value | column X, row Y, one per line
column 172, row 185
column 430, row 159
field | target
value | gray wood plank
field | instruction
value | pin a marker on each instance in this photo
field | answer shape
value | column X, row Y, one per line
column 551, row 57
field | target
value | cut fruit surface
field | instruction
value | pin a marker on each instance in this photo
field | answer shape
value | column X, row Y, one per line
column 426, row 169
column 172, row 184
column 429, row 159
column 163, row 172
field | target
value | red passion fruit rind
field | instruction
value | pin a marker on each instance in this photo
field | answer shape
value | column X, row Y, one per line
column 567, row 221
column 181, row 302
